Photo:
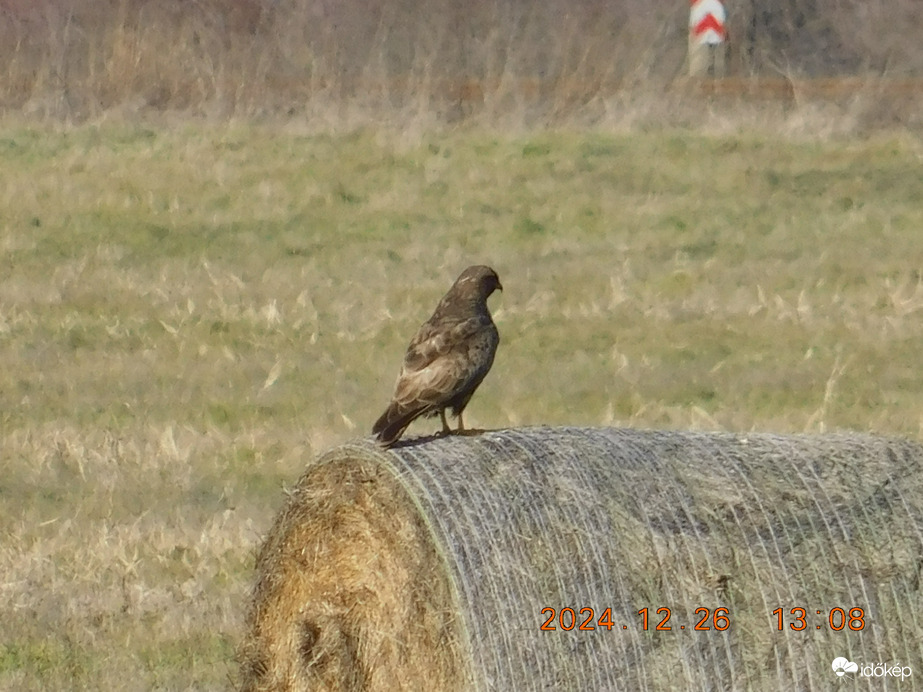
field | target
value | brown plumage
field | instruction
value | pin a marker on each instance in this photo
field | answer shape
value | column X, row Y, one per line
column 447, row 359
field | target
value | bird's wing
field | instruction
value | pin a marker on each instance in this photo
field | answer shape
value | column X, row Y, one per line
column 435, row 341
column 430, row 386
column 435, row 364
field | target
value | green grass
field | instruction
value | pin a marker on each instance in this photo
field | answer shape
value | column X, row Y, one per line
column 188, row 314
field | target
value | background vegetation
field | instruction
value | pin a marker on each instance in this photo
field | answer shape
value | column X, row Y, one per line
column 221, row 225
column 401, row 63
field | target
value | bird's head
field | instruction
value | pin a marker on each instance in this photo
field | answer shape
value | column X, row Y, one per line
column 479, row 280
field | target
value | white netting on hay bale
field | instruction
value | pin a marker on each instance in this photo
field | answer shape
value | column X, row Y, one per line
column 428, row 566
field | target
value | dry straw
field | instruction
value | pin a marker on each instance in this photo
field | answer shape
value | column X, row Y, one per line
column 427, row 567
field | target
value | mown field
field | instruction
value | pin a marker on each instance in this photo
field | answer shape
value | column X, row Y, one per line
column 190, row 312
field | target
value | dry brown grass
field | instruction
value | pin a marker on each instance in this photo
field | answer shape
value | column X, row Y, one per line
column 122, row 556
column 352, row 593
column 509, row 64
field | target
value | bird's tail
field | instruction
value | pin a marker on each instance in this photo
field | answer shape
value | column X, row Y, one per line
column 393, row 422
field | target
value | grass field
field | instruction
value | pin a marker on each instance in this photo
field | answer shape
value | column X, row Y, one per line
column 189, row 313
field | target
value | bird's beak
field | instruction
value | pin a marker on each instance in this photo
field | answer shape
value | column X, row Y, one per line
column 499, row 285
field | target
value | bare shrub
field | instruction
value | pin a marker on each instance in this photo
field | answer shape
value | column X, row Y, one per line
column 529, row 63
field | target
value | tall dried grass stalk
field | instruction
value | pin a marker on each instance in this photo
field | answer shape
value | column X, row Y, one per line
column 558, row 62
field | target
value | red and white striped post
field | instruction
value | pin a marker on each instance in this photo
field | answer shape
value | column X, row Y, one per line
column 707, row 34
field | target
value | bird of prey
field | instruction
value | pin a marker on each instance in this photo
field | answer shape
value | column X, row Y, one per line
column 447, row 359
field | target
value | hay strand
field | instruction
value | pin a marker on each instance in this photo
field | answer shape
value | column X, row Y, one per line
column 428, row 566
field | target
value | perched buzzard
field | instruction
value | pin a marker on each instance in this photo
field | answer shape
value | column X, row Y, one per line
column 447, row 359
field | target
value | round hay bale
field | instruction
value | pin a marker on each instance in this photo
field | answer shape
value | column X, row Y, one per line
column 431, row 566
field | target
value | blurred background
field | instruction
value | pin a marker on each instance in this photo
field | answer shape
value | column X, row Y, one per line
column 519, row 62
